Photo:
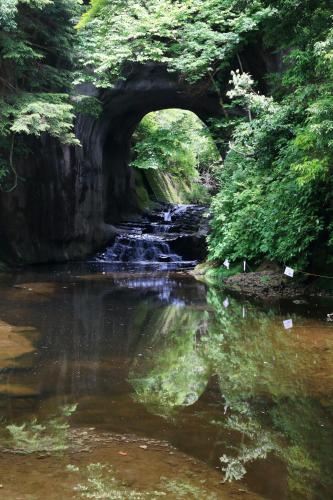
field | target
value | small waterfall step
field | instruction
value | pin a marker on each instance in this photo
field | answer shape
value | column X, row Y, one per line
column 169, row 237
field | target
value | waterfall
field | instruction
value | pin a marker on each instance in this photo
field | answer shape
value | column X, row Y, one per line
column 161, row 228
column 140, row 250
column 152, row 239
column 167, row 216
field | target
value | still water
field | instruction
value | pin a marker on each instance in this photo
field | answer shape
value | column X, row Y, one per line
column 131, row 385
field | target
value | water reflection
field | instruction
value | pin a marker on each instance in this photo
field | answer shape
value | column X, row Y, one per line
column 276, row 392
column 161, row 356
column 173, row 372
column 50, row 436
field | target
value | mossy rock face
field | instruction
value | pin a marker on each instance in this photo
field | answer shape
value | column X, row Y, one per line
column 163, row 187
column 143, row 198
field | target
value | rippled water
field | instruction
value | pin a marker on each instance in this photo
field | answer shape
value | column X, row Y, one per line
column 174, row 394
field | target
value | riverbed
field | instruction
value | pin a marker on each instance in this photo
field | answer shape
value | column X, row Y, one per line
column 123, row 384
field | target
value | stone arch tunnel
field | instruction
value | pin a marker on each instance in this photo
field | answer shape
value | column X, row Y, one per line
column 149, row 89
column 68, row 197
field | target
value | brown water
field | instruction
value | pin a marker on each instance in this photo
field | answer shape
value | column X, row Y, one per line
column 152, row 377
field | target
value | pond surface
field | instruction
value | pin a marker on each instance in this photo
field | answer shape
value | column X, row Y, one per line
column 130, row 385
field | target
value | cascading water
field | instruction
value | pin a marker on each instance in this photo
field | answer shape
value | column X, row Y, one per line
column 167, row 216
column 154, row 239
column 161, row 228
column 140, row 249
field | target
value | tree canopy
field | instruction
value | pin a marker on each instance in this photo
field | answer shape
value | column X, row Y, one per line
column 196, row 38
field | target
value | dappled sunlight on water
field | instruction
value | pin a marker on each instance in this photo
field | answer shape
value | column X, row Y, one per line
column 175, row 394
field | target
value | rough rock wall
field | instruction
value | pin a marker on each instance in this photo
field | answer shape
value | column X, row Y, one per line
column 55, row 213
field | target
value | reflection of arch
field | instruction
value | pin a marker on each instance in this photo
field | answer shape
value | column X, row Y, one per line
column 148, row 88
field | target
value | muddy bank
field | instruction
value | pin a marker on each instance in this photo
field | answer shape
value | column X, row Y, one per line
column 271, row 285
column 106, row 465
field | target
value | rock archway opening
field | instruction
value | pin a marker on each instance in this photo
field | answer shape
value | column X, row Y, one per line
column 152, row 139
column 174, row 158
column 147, row 89
column 75, row 196
column 173, row 163
column 72, row 197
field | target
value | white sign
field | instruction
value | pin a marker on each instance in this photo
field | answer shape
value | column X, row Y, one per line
column 226, row 263
column 226, row 303
column 244, row 266
column 289, row 272
column 288, row 323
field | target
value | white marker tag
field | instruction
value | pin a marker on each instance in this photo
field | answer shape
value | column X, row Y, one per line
column 289, row 272
column 226, row 303
column 244, row 266
column 288, row 323
column 244, row 312
column 226, row 263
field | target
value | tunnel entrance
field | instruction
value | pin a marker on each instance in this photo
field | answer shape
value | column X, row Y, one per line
column 174, row 158
column 74, row 196
column 173, row 161
column 147, row 89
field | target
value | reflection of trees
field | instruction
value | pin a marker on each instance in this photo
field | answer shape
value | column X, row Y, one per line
column 265, row 377
column 49, row 436
column 266, row 384
column 174, row 373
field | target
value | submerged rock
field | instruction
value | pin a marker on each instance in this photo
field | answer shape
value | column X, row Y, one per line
column 13, row 343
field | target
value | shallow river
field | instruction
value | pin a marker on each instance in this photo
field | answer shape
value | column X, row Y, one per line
column 128, row 385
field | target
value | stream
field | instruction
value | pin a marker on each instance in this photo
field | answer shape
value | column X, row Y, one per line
column 129, row 382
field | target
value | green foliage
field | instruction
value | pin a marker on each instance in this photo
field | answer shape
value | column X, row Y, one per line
column 178, row 375
column 274, row 197
column 195, row 38
column 102, row 481
column 177, row 142
column 181, row 489
column 261, row 211
column 85, row 105
column 40, row 113
column 271, row 404
column 36, row 54
column 9, row 9
column 49, row 436
column 275, row 187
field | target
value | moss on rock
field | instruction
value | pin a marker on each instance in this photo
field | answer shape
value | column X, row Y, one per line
column 163, row 186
